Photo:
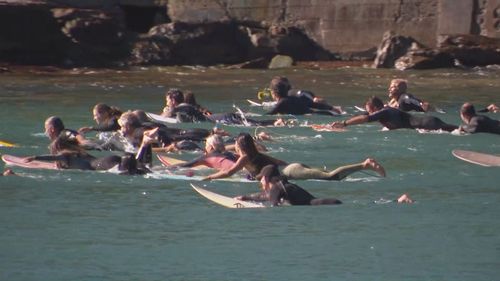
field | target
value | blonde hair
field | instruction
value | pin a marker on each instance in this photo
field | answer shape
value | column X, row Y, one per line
column 402, row 84
column 216, row 142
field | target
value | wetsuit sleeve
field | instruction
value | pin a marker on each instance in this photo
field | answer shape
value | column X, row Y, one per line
column 379, row 115
column 259, row 197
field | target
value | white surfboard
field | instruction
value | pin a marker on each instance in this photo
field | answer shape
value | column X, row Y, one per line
column 162, row 119
column 483, row 159
column 263, row 104
column 226, row 201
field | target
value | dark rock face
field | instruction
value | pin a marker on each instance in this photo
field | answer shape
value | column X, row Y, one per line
column 471, row 50
column 392, row 48
column 467, row 50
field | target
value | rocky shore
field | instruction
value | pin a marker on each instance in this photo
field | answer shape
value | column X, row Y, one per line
column 118, row 34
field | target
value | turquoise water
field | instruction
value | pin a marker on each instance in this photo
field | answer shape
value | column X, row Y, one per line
column 75, row 225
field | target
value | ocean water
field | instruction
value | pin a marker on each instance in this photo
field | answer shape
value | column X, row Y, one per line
column 74, row 225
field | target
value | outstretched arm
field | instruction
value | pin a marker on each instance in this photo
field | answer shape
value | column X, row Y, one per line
column 359, row 119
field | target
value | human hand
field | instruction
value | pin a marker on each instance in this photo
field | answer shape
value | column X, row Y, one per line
column 84, row 130
column 150, row 136
column 493, row 108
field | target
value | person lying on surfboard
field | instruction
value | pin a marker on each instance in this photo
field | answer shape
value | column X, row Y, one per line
column 293, row 104
column 106, row 118
column 54, row 128
column 253, row 161
column 177, row 108
column 403, row 101
column 393, row 118
column 215, row 156
column 278, row 191
column 68, row 154
column 475, row 123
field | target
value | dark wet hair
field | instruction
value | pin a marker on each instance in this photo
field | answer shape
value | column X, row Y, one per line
column 190, row 99
column 271, row 172
column 176, row 95
column 247, row 144
column 468, row 109
column 375, row 102
column 110, row 110
column 280, row 85
column 55, row 122
column 66, row 144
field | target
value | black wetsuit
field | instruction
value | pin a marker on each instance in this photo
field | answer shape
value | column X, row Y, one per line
column 285, row 192
column 236, row 119
column 307, row 98
column 296, row 106
column 107, row 126
column 127, row 164
column 393, row 118
column 408, row 102
column 482, row 124
column 186, row 113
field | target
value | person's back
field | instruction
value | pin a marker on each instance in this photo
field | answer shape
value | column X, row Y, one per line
column 290, row 105
column 392, row 118
column 408, row 102
column 482, row 124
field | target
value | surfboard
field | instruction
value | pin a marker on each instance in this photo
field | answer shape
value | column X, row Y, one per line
column 478, row 158
column 263, row 104
column 226, row 201
column 359, row 108
column 169, row 161
column 162, row 119
column 19, row 162
column 7, row 144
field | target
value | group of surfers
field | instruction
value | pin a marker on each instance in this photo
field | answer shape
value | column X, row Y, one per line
column 142, row 135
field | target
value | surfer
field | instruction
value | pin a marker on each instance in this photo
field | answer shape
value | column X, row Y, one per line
column 475, row 123
column 253, row 161
column 54, row 128
column 402, row 100
column 106, row 118
column 177, row 108
column 215, row 156
column 393, row 118
column 68, row 154
column 293, row 104
column 277, row 190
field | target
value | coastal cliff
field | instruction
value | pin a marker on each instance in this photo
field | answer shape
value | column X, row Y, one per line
column 236, row 32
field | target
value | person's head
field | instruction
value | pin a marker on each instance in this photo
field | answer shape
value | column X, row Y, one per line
column 63, row 143
column 397, row 88
column 174, row 97
column 53, row 127
column 103, row 112
column 279, row 87
column 128, row 122
column 245, row 145
column 374, row 104
column 190, row 99
column 214, row 143
column 269, row 175
column 467, row 111
column 141, row 115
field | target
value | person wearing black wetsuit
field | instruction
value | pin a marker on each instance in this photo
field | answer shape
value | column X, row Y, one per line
column 296, row 105
column 393, row 118
column 177, row 108
column 54, row 128
column 67, row 154
column 277, row 190
column 106, row 118
column 402, row 100
column 474, row 123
